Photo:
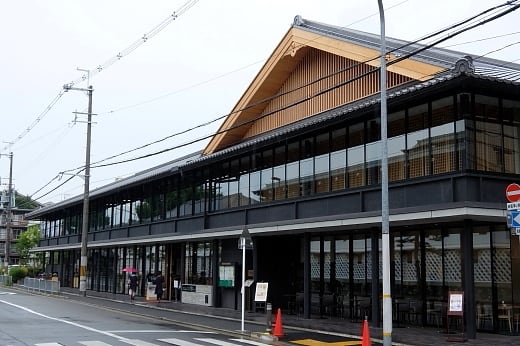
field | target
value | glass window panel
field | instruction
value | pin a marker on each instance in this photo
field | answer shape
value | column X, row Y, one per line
column 136, row 206
column 434, row 267
column 417, row 142
column 482, row 255
column 108, row 217
column 511, row 110
column 307, row 167
column 488, row 135
column 321, row 163
column 279, row 181
column 125, row 213
column 244, row 181
column 158, row 206
column 373, row 152
column 396, row 146
column 315, row 265
column 198, row 199
column 171, row 204
column 234, row 172
column 360, row 266
column 293, row 170
column 266, row 176
column 501, row 238
column 410, row 263
column 338, row 159
column 443, row 142
column 267, row 185
column 356, row 155
column 254, row 187
column 342, row 268
column 452, row 260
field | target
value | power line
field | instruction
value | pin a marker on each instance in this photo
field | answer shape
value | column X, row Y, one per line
column 417, row 51
column 231, row 72
column 154, row 31
column 406, row 56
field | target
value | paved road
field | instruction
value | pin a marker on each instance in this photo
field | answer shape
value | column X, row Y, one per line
column 297, row 330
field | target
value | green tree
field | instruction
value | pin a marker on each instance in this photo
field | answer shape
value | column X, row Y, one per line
column 25, row 202
column 26, row 241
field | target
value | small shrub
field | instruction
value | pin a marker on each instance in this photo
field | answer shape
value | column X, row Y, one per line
column 32, row 271
column 18, row 273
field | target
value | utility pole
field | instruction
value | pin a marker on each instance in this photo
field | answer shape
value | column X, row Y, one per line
column 9, row 213
column 84, row 224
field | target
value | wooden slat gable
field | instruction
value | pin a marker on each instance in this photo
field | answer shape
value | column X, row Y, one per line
column 308, row 74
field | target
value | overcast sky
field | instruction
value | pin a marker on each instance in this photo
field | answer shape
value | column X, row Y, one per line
column 194, row 70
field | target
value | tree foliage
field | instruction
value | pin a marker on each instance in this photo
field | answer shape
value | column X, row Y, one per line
column 27, row 240
column 25, row 202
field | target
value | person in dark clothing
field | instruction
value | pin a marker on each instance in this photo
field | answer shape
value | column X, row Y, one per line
column 159, row 282
column 132, row 285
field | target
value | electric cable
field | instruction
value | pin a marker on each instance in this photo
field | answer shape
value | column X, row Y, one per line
column 157, row 29
column 322, row 91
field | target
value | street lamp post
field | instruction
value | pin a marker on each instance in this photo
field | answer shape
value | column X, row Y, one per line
column 385, row 220
column 84, row 224
column 245, row 242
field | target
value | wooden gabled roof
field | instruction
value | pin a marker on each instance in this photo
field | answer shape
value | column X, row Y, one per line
column 285, row 89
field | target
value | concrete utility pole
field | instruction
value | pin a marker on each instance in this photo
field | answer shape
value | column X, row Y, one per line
column 385, row 219
column 9, row 213
column 84, row 224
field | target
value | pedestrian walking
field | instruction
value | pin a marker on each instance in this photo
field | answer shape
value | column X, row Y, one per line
column 159, row 282
column 132, row 285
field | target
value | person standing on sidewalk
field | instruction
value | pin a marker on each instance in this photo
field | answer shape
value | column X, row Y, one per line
column 132, row 285
column 159, row 282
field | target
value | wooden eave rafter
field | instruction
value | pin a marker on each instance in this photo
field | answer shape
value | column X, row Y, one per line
column 289, row 52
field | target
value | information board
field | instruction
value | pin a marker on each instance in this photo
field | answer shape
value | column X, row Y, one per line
column 226, row 275
column 456, row 303
column 261, row 291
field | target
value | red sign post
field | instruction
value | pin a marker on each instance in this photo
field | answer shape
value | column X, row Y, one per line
column 513, row 192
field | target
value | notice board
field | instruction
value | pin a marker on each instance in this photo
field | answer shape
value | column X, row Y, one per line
column 455, row 303
column 261, row 291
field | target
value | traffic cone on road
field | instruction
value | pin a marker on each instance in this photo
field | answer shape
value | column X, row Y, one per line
column 278, row 329
column 365, row 336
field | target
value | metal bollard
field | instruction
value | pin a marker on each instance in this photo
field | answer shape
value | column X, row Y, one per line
column 268, row 317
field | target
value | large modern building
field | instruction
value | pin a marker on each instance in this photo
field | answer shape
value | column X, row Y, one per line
column 298, row 164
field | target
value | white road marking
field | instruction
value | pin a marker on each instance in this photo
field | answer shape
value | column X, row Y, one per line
column 49, row 344
column 136, row 342
column 250, row 342
column 216, row 342
column 93, row 343
column 159, row 331
column 179, row 342
column 122, row 339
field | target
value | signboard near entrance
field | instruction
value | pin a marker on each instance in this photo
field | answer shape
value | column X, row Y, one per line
column 456, row 303
column 455, row 311
column 513, row 192
column 261, row 291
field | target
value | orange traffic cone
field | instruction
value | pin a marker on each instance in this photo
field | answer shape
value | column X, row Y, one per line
column 278, row 329
column 365, row 337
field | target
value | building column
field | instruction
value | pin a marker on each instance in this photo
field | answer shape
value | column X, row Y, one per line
column 468, row 279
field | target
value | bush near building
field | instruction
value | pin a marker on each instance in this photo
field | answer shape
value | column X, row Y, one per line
column 18, row 273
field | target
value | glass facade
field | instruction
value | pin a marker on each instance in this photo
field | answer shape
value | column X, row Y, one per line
column 464, row 132
column 454, row 133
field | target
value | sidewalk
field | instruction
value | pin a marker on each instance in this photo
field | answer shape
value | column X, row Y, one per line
column 413, row 336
